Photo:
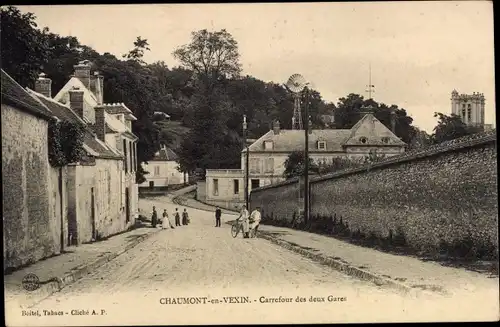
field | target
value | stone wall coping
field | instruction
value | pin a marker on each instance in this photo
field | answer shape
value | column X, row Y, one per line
column 458, row 144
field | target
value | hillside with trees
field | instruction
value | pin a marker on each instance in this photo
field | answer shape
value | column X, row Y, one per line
column 206, row 96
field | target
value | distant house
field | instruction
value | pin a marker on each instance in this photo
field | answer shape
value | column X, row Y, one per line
column 267, row 156
column 328, row 120
column 163, row 170
column 162, row 115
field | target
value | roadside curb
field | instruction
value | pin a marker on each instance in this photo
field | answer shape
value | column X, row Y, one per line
column 56, row 284
column 346, row 268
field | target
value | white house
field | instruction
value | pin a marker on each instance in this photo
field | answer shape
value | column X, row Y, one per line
column 163, row 170
column 267, row 156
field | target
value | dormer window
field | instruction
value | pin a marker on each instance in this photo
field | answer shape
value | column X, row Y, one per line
column 321, row 145
column 385, row 140
column 268, row 145
column 363, row 140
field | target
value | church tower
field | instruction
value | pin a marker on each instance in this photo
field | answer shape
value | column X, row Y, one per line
column 470, row 108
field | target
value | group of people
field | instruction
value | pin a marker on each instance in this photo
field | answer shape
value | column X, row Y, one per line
column 165, row 221
column 249, row 222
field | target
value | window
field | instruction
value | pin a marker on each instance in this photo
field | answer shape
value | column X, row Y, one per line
column 151, row 184
column 469, row 112
column 363, row 139
column 255, row 183
column 385, row 140
column 321, row 145
column 254, row 165
column 157, row 170
column 268, row 145
column 236, row 186
column 216, row 187
column 269, row 165
column 463, row 111
column 125, row 157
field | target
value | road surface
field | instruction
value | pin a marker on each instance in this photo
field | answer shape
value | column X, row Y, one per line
column 243, row 280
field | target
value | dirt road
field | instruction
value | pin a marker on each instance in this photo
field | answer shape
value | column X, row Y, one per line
column 203, row 261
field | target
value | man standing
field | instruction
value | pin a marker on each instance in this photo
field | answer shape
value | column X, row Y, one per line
column 218, row 214
column 185, row 217
column 244, row 220
column 154, row 217
column 254, row 221
column 177, row 217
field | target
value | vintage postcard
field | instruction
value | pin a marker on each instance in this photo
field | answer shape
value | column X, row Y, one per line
column 249, row 163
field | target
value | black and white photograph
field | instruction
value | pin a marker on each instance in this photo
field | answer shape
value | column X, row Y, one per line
column 249, row 163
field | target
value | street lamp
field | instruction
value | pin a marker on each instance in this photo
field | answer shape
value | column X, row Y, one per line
column 246, row 158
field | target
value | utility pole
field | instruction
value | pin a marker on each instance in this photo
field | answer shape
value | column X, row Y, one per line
column 246, row 159
column 306, row 156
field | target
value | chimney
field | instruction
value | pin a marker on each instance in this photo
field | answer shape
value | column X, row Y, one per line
column 43, row 85
column 276, row 127
column 393, row 122
column 100, row 123
column 76, row 101
column 96, row 86
column 82, row 72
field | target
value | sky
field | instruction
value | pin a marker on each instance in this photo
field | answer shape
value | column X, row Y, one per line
column 418, row 51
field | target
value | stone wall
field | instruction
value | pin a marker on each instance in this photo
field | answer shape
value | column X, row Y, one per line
column 435, row 199
column 30, row 232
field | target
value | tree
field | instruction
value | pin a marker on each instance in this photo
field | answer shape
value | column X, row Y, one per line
column 211, row 55
column 450, row 127
column 24, row 48
column 137, row 53
column 295, row 165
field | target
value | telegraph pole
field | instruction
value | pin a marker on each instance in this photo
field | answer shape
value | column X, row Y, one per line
column 246, row 159
column 306, row 156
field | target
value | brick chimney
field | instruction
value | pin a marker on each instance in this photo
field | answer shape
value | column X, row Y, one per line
column 97, row 86
column 100, row 123
column 82, row 72
column 43, row 85
column 76, row 101
column 276, row 127
column 393, row 122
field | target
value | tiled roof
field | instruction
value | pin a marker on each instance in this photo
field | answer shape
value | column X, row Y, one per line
column 165, row 154
column 293, row 140
column 15, row 95
column 65, row 113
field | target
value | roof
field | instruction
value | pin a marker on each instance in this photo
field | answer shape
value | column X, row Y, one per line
column 293, row 140
column 88, row 96
column 66, row 114
column 15, row 95
column 374, row 131
column 119, row 108
column 165, row 154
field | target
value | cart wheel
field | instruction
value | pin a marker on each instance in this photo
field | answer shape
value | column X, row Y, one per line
column 235, row 230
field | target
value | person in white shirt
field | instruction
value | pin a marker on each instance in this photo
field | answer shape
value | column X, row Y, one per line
column 244, row 220
column 254, row 221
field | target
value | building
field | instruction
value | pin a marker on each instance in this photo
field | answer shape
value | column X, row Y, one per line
column 470, row 108
column 163, row 170
column 267, row 156
column 31, row 228
column 112, row 124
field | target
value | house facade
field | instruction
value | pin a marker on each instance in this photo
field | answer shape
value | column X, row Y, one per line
column 268, row 154
column 163, row 170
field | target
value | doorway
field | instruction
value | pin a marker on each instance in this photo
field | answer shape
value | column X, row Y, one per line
column 92, row 214
column 127, row 205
